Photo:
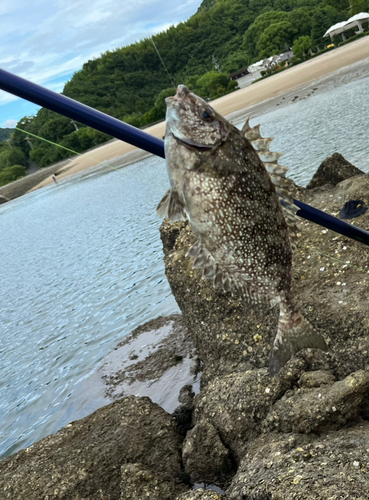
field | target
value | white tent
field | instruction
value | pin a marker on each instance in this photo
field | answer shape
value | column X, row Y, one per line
column 354, row 21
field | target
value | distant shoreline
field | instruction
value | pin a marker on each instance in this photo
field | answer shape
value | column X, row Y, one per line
column 256, row 99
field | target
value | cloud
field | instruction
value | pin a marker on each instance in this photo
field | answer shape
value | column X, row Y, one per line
column 46, row 41
column 10, row 124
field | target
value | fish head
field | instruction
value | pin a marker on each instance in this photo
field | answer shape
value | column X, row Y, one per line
column 193, row 122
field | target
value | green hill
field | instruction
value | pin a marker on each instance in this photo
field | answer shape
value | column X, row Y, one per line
column 130, row 82
column 5, row 133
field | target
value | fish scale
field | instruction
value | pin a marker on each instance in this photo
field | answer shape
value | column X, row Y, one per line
column 236, row 197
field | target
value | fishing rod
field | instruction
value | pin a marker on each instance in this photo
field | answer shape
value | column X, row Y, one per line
column 136, row 137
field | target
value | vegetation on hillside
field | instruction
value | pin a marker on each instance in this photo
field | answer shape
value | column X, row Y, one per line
column 12, row 163
column 131, row 84
column 5, row 133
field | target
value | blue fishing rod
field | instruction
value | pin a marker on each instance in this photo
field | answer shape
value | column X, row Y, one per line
column 116, row 128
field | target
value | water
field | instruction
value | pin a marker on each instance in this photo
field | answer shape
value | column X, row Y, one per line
column 310, row 130
column 81, row 264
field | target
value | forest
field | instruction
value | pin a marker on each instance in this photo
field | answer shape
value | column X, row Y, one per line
column 130, row 83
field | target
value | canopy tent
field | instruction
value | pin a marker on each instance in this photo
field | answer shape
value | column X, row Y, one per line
column 355, row 21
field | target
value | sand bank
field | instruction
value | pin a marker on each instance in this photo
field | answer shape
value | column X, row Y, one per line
column 258, row 97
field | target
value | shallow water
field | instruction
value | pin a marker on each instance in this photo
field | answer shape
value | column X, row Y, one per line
column 309, row 130
column 81, row 264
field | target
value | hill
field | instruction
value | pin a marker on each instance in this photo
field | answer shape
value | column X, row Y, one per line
column 5, row 133
column 130, row 83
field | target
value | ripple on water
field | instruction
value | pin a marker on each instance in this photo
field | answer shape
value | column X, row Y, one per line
column 310, row 130
column 81, row 264
column 81, row 267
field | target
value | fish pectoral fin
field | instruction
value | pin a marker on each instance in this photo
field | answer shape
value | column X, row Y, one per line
column 294, row 334
column 171, row 206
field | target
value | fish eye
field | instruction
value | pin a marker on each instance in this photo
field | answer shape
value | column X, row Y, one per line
column 207, row 115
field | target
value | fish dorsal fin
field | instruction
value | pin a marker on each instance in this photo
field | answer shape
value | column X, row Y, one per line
column 171, row 206
column 283, row 185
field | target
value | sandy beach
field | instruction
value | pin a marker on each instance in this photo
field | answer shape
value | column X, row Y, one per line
column 335, row 67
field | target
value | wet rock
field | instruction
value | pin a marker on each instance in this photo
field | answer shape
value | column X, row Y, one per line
column 333, row 170
column 331, row 466
column 205, row 458
column 183, row 414
column 138, row 483
column 329, row 288
column 316, row 378
column 319, row 409
column 236, row 406
column 201, row 494
column 83, row 459
column 229, row 335
column 155, row 360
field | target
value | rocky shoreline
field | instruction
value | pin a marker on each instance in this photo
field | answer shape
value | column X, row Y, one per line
column 238, row 433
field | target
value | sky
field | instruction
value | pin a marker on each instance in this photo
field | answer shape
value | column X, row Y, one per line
column 46, row 41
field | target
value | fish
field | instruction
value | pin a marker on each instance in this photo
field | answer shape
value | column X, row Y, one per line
column 235, row 195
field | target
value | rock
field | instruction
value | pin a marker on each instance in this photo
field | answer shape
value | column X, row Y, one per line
column 333, row 170
column 229, row 335
column 83, row 460
column 355, row 188
column 205, row 458
column 183, row 414
column 316, row 378
column 138, row 483
column 201, row 494
column 237, row 404
column 331, row 466
column 319, row 409
column 158, row 351
column 3, row 199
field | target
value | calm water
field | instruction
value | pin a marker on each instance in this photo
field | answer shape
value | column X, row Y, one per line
column 81, row 264
column 309, row 130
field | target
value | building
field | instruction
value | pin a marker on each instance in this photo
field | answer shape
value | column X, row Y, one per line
column 238, row 74
column 355, row 21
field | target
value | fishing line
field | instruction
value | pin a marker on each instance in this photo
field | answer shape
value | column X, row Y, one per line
column 162, row 62
column 63, row 147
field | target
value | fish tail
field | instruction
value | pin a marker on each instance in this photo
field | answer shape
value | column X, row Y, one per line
column 293, row 334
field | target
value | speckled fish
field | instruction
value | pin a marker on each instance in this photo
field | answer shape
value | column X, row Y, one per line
column 237, row 201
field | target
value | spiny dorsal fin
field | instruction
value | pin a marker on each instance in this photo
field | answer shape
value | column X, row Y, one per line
column 171, row 206
column 246, row 126
column 277, row 173
column 253, row 133
column 262, row 144
column 269, row 156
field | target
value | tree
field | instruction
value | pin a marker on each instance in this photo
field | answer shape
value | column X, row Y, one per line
column 10, row 174
column 301, row 46
column 10, row 156
column 323, row 19
column 212, row 85
column 276, row 38
column 236, row 61
column 358, row 6
column 256, row 30
column 160, row 100
column 301, row 19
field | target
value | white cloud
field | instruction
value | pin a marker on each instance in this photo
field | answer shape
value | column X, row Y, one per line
column 47, row 40
column 10, row 124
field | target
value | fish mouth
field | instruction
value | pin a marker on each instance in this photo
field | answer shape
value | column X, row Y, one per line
column 191, row 144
